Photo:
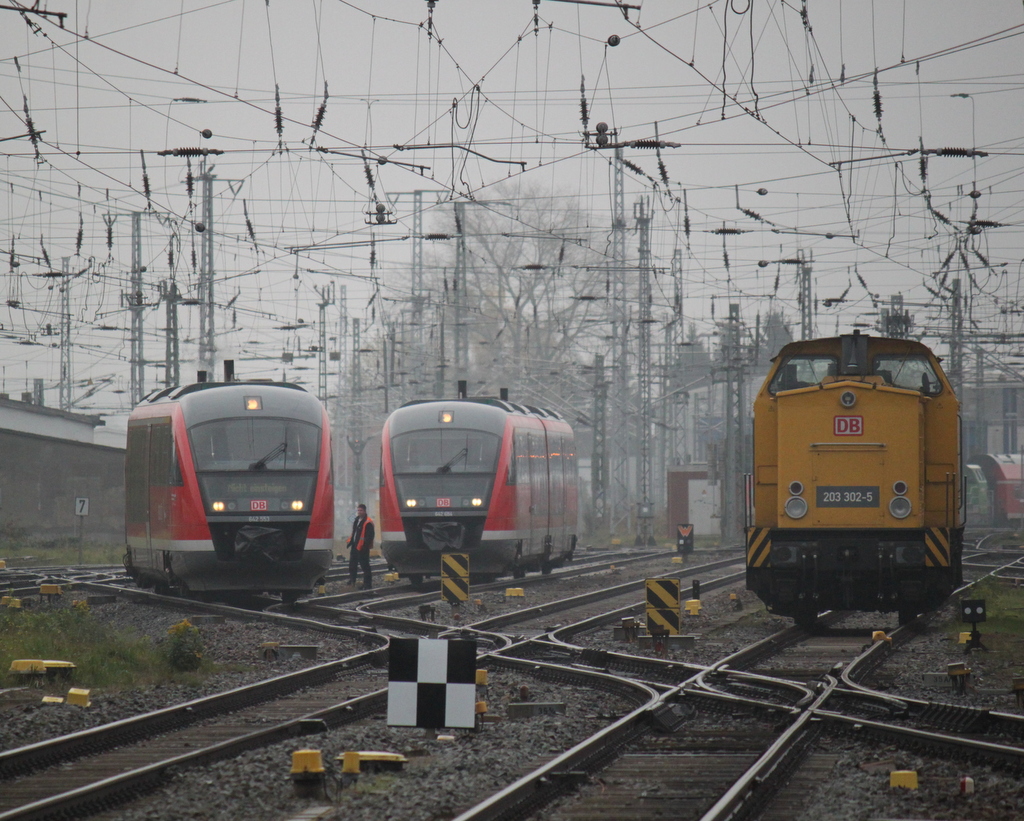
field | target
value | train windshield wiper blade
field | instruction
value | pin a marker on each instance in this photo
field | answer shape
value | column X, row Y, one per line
column 447, row 466
column 261, row 464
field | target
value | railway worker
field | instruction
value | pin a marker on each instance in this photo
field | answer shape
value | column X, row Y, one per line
column 360, row 544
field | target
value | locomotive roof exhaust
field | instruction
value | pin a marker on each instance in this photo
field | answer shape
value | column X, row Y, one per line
column 854, row 354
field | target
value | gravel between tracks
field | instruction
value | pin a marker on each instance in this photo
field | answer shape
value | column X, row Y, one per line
column 440, row 779
column 858, row 787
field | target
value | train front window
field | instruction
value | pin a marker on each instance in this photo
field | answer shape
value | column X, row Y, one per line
column 803, row 371
column 255, row 444
column 912, row 372
column 445, row 451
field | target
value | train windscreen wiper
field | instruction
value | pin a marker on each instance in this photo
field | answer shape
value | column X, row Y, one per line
column 447, row 466
column 261, row 464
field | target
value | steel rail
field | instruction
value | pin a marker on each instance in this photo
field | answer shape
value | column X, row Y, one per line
column 119, row 788
column 22, row 760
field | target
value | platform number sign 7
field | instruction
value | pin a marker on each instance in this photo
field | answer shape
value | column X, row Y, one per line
column 82, row 506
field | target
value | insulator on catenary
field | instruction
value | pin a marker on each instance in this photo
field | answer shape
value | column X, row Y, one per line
column 438, row 236
column 188, row 152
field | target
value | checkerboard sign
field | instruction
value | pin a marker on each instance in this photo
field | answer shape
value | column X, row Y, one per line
column 432, row 683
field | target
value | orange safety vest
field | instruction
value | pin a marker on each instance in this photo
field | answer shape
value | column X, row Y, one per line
column 359, row 545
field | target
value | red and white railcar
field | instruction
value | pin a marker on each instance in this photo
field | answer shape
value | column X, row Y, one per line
column 486, row 477
column 229, row 487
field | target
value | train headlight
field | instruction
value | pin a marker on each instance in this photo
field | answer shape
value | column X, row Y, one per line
column 847, row 399
column 410, row 503
column 477, row 502
column 899, row 488
column 796, row 508
column 298, row 504
column 218, row 506
column 796, row 488
column 900, row 507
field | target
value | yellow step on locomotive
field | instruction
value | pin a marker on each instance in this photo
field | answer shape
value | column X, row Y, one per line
column 856, row 480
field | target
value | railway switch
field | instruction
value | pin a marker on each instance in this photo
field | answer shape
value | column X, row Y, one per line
column 903, row 778
column 1018, row 691
column 49, row 590
column 959, row 677
column 308, row 773
column 79, row 697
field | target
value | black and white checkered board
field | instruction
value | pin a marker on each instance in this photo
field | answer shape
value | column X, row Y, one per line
column 432, row 683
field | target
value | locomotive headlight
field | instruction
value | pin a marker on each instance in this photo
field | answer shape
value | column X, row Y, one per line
column 477, row 502
column 796, row 488
column 298, row 504
column 900, row 507
column 218, row 506
column 410, row 503
column 899, row 488
column 847, row 399
column 796, row 508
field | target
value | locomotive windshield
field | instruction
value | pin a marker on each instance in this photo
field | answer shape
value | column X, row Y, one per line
column 447, row 450
column 915, row 373
column 803, row 371
column 255, row 444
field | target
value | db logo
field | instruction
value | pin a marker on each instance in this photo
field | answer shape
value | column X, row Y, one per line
column 258, row 504
column 444, row 502
column 848, row 425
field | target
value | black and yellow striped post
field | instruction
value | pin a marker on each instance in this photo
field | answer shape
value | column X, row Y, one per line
column 663, row 606
column 454, row 577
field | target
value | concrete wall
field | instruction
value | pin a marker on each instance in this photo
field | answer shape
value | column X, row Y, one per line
column 41, row 476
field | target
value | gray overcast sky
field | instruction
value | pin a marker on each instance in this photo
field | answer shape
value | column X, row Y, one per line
column 822, row 105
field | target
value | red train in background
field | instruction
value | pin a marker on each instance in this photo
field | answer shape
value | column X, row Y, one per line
column 482, row 476
column 229, row 487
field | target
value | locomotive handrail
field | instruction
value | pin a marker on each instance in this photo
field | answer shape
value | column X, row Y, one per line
column 848, row 444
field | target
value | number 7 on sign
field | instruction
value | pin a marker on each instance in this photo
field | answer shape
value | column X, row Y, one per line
column 82, row 506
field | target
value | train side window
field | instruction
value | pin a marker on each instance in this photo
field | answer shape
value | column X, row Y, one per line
column 519, row 471
column 137, row 474
column 510, row 473
column 163, row 462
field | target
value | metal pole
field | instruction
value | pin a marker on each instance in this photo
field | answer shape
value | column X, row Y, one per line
column 645, row 513
column 207, row 346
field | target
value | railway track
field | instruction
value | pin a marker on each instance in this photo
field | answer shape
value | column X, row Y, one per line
column 678, row 750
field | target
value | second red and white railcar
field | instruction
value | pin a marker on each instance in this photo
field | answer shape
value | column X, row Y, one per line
column 486, row 477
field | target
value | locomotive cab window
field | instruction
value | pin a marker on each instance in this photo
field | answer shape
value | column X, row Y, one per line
column 912, row 372
column 803, row 371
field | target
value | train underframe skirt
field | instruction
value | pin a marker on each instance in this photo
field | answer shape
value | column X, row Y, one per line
column 800, row 573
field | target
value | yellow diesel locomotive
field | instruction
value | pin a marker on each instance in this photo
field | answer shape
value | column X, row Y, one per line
column 856, row 482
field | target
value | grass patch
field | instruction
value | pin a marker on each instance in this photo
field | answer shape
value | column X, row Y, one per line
column 105, row 659
column 58, row 552
column 1004, row 607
